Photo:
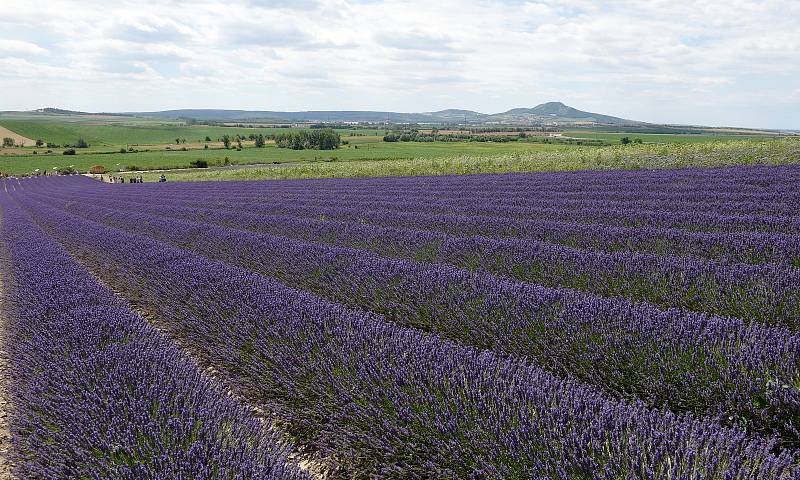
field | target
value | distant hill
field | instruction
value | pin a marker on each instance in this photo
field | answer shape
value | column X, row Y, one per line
column 556, row 112
column 546, row 113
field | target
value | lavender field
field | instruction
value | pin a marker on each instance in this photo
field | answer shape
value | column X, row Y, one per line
column 582, row 325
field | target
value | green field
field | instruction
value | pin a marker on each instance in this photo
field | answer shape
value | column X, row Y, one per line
column 659, row 137
column 364, row 154
column 109, row 131
column 360, row 149
column 676, row 155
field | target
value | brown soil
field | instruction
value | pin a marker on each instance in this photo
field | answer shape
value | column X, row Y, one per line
column 18, row 139
column 5, row 432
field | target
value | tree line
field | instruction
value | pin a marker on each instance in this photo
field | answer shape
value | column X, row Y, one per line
column 317, row 139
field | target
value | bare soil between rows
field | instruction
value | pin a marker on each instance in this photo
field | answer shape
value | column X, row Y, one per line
column 5, row 403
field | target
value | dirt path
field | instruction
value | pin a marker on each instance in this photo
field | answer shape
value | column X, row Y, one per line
column 18, row 139
column 5, row 432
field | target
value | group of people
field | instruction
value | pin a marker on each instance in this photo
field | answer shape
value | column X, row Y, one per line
column 112, row 179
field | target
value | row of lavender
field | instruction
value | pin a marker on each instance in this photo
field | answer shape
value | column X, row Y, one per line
column 773, row 187
column 712, row 366
column 763, row 293
column 736, row 182
column 98, row 393
column 773, row 246
column 779, row 216
column 376, row 399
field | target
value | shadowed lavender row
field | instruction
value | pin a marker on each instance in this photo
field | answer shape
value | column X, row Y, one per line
column 378, row 400
column 98, row 393
column 744, row 375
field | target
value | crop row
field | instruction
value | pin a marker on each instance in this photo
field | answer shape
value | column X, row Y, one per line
column 629, row 215
column 745, row 247
column 713, row 366
column 770, row 185
column 698, row 183
column 540, row 200
column 98, row 393
column 763, row 293
column 375, row 399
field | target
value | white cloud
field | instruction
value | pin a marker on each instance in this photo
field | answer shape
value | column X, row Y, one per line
column 20, row 47
column 656, row 61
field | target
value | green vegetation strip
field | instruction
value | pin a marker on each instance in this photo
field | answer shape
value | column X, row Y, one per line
column 744, row 152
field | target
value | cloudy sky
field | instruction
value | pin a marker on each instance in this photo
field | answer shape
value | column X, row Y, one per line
column 715, row 62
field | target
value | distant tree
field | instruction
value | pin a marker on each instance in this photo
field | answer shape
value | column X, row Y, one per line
column 8, row 142
column 259, row 141
column 81, row 143
column 208, row 139
column 69, row 151
column 122, row 150
column 625, row 140
column 198, row 163
column 239, row 144
column 226, row 140
column 39, row 142
column 637, row 140
column 177, row 141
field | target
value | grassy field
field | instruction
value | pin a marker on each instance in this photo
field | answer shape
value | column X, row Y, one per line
column 360, row 149
column 134, row 134
column 121, row 130
column 365, row 153
column 658, row 137
column 742, row 152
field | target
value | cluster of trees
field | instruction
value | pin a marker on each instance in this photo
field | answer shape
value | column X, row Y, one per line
column 417, row 136
column 8, row 142
column 317, row 139
column 434, row 136
column 626, row 140
column 81, row 143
